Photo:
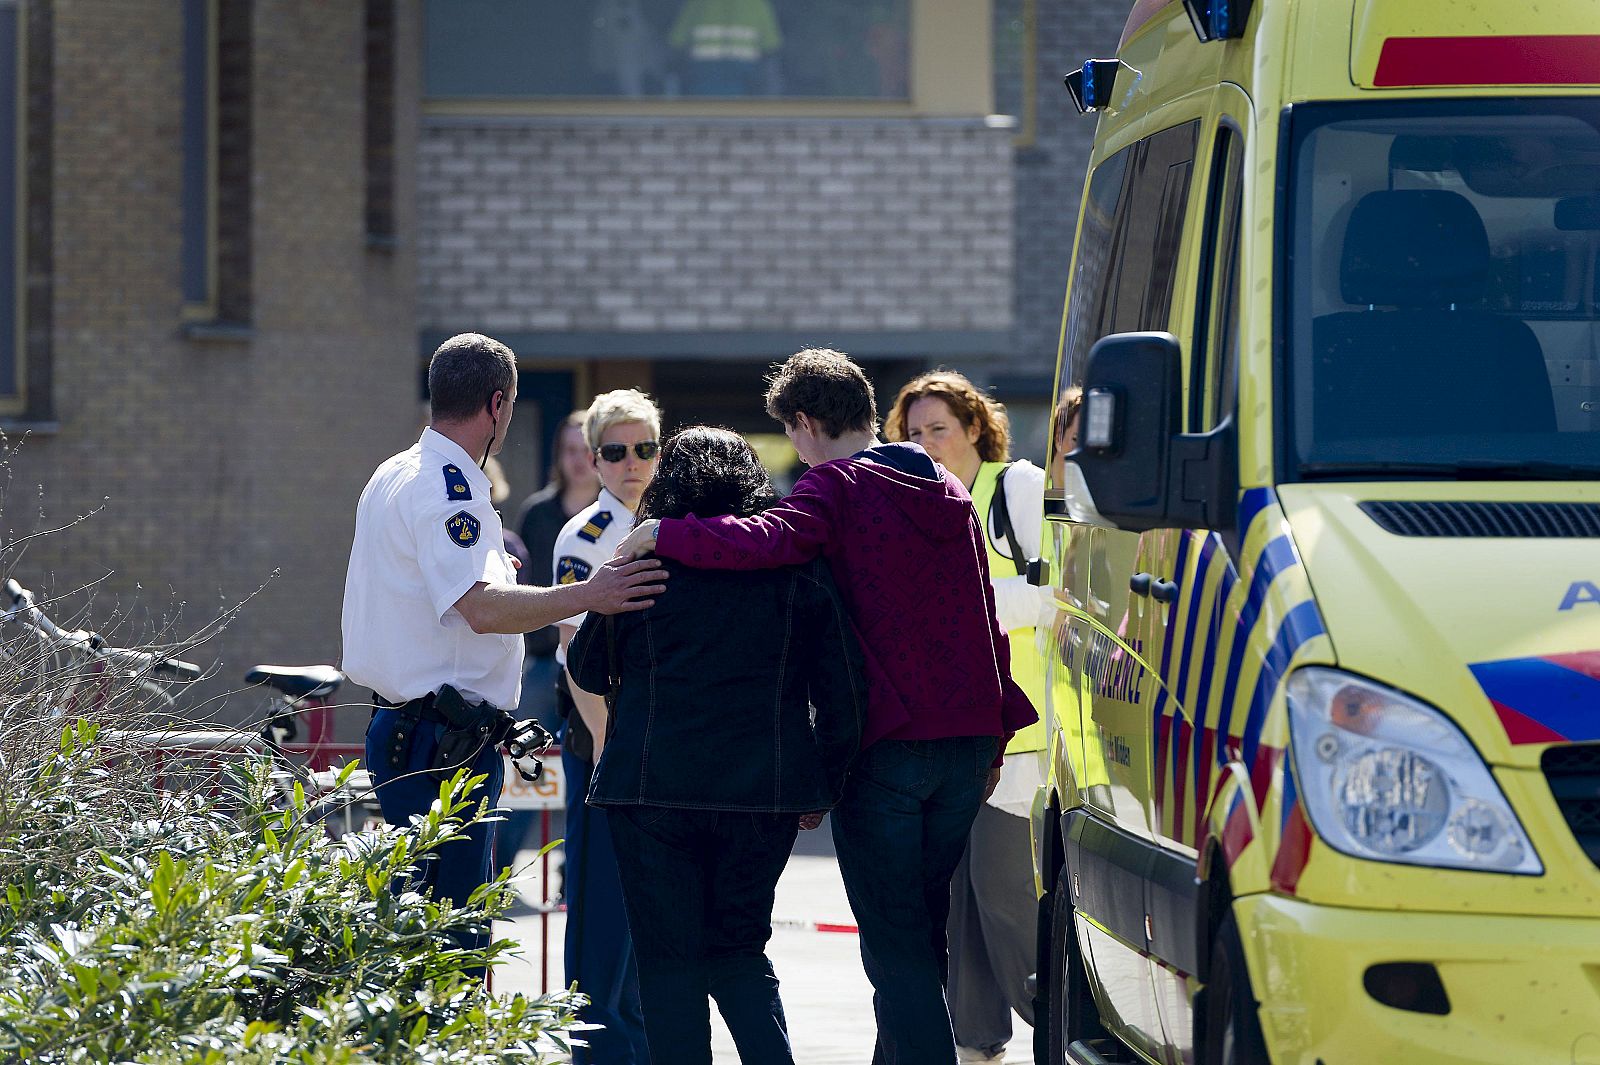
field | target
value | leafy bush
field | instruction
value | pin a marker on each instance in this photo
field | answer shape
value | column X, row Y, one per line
column 142, row 926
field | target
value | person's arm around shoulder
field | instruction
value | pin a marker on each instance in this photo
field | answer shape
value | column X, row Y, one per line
column 793, row 532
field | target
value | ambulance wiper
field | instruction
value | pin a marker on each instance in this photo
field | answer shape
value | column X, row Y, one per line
column 1510, row 470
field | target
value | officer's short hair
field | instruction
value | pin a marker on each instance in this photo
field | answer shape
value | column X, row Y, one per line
column 827, row 387
column 619, row 408
column 465, row 372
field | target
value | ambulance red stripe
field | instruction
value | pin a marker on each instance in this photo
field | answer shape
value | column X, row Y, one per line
column 1510, row 60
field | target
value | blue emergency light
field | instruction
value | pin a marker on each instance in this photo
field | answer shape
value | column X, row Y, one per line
column 1216, row 20
column 1092, row 86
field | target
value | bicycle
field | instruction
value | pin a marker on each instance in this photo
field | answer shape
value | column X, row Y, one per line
column 87, row 667
column 77, row 672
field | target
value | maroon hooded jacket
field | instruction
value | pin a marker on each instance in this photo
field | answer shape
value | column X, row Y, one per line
column 908, row 555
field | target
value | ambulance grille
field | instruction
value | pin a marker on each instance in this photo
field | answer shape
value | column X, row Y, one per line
column 1574, row 776
column 1528, row 520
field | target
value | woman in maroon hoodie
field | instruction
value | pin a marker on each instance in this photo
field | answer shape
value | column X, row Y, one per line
column 907, row 552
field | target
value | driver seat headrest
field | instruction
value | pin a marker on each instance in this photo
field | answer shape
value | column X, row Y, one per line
column 1414, row 248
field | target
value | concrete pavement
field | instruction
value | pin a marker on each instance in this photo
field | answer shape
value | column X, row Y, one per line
column 825, row 994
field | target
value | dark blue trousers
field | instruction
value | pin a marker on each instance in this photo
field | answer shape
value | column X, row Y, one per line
column 699, row 886
column 599, row 951
column 900, row 830
column 461, row 866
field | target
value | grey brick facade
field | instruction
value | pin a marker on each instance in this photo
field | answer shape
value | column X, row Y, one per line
column 695, row 225
column 217, row 463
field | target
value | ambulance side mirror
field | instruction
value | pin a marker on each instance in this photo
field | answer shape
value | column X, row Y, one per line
column 1142, row 471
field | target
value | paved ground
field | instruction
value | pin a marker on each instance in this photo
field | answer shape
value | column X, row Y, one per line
column 825, row 994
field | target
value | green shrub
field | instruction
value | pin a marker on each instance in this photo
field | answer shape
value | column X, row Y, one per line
column 137, row 926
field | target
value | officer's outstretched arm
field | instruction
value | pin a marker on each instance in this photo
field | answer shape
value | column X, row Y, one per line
column 614, row 588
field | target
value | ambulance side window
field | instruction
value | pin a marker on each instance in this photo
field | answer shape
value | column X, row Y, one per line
column 1216, row 328
column 1092, row 304
column 1089, row 316
column 1157, row 201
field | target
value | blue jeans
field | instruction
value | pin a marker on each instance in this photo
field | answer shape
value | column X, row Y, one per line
column 599, row 951
column 460, row 866
column 900, row 830
column 699, row 885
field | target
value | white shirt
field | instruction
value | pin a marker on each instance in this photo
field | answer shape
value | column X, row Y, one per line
column 425, row 534
column 587, row 542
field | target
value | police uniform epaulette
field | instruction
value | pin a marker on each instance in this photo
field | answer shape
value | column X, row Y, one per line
column 455, row 483
column 597, row 525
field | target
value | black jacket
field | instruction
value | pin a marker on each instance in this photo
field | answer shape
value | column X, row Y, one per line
column 711, row 711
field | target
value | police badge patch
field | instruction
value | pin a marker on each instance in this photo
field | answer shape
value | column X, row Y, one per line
column 463, row 528
column 455, row 484
column 571, row 570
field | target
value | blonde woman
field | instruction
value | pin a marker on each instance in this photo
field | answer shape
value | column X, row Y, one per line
column 993, row 912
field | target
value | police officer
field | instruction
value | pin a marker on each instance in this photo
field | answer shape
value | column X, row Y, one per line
column 623, row 431
column 433, row 615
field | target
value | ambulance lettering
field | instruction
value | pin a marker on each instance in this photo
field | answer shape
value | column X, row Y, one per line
column 1581, row 592
column 1114, row 672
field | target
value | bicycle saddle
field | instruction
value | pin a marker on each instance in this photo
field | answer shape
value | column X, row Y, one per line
column 299, row 682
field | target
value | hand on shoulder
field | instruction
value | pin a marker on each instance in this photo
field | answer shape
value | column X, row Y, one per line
column 640, row 541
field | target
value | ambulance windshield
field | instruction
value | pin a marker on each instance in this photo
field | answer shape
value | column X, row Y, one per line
column 1443, row 290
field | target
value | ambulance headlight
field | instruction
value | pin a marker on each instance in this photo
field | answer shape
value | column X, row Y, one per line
column 1388, row 778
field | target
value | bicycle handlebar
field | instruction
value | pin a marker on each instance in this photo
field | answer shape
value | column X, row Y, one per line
column 24, row 610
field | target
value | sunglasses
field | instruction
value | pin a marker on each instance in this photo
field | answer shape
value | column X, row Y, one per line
column 645, row 449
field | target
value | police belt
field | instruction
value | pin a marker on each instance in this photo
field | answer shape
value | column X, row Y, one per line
column 468, row 728
column 420, row 708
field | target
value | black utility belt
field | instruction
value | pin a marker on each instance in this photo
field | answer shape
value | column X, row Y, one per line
column 420, row 708
column 469, row 728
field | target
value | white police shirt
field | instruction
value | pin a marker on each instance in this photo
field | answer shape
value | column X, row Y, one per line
column 425, row 534
column 587, row 542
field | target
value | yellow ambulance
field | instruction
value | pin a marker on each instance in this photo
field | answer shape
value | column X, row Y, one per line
column 1324, row 672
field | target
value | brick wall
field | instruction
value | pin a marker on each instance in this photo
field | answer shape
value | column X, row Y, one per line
column 702, row 225
column 1049, row 174
column 220, row 462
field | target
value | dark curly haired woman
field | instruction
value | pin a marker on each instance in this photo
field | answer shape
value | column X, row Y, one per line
column 714, row 757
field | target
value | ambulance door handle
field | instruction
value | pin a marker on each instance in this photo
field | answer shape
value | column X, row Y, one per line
column 1148, row 585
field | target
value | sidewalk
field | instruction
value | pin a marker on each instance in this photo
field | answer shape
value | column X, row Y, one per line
column 825, row 994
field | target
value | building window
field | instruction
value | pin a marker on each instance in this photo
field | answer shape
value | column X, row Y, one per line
column 13, row 209
column 199, row 158
column 25, row 176
column 216, row 161
column 380, row 123
column 668, row 49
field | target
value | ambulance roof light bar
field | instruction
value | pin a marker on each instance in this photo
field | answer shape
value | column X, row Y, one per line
column 1216, row 20
column 1092, row 86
